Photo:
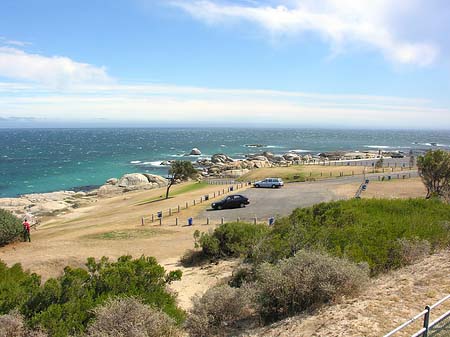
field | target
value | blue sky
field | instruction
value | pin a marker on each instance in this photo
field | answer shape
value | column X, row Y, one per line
column 331, row 63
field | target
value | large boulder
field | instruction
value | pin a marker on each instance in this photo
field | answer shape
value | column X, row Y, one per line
column 112, row 181
column 132, row 179
column 109, row 190
column 155, row 179
column 290, row 156
column 221, row 158
column 195, row 152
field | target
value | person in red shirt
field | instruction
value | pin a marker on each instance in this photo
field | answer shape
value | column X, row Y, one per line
column 26, row 231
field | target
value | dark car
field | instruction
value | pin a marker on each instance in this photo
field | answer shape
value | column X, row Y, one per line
column 232, row 201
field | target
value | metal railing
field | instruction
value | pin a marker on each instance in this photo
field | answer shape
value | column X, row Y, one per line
column 440, row 327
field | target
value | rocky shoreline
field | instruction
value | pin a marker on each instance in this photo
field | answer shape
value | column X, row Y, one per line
column 33, row 206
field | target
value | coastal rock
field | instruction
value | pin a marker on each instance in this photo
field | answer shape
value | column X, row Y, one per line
column 259, row 158
column 221, row 158
column 44, row 208
column 109, row 190
column 132, row 179
column 195, row 152
column 112, row 181
column 290, row 156
column 155, row 179
column 235, row 173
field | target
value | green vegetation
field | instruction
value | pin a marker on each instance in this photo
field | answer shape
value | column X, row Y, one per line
column 10, row 227
column 63, row 306
column 434, row 169
column 128, row 234
column 180, row 170
column 191, row 187
column 372, row 231
column 231, row 239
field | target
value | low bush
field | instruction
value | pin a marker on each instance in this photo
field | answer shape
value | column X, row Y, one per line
column 303, row 281
column 128, row 317
column 10, row 227
column 12, row 325
column 218, row 311
column 63, row 306
column 231, row 239
column 361, row 230
column 192, row 258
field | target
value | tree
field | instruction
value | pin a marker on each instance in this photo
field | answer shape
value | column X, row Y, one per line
column 10, row 227
column 434, row 169
column 180, row 170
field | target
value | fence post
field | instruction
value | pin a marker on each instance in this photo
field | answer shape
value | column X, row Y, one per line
column 142, row 221
column 187, row 204
column 176, row 221
column 170, row 211
column 222, row 220
column 153, row 217
column 426, row 321
column 178, row 208
column 207, row 221
column 255, row 219
column 194, row 202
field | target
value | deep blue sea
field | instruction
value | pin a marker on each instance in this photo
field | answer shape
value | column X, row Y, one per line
column 43, row 160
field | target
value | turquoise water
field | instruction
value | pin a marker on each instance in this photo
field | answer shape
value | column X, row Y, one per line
column 42, row 160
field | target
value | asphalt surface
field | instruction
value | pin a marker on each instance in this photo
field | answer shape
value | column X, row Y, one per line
column 267, row 202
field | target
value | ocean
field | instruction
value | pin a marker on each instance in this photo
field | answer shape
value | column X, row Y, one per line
column 44, row 160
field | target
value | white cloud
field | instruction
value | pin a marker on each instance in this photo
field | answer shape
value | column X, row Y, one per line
column 342, row 23
column 178, row 104
column 55, row 71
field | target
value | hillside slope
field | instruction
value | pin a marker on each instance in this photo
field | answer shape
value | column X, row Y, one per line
column 387, row 302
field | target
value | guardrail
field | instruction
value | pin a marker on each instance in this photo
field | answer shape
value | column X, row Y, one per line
column 440, row 327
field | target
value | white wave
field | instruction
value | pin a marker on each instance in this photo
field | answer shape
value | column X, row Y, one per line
column 443, row 145
column 378, row 146
column 135, row 162
column 274, row 147
column 299, row 151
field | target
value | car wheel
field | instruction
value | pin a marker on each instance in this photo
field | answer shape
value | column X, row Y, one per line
column 257, row 186
column 242, row 205
column 273, row 186
column 219, row 207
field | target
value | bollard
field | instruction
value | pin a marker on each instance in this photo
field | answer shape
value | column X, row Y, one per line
column 222, row 220
column 255, row 220
column 214, row 194
column 153, row 217
column 142, row 221
column 353, row 173
column 238, row 219
column 321, row 173
column 176, row 221
column 178, row 208
column 160, row 221
column 207, row 221
column 201, row 199
column 194, row 202
column 187, row 204
column 170, row 211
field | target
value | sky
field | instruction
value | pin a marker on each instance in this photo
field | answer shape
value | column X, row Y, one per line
column 302, row 63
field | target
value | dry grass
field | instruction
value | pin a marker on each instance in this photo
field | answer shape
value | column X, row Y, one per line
column 301, row 172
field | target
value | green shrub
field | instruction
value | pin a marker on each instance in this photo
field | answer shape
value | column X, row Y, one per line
column 10, row 227
column 63, row 306
column 305, row 280
column 16, row 287
column 232, row 239
column 218, row 311
column 364, row 230
column 128, row 317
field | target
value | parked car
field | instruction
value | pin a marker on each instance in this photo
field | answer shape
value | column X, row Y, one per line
column 231, row 201
column 270, row 182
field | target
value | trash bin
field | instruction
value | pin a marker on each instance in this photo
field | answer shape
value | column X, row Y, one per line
column 271, row 221
column 364, row 187
column 389, row 177
column 367, row 181
column 206, row 197
column 190, row 221
column 231, row 188
column 159, row 214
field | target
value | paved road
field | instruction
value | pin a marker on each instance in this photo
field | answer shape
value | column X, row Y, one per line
column 265, row 203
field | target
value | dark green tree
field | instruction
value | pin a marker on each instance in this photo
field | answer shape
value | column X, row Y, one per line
column 180, row 170
column 434, row 169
